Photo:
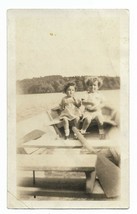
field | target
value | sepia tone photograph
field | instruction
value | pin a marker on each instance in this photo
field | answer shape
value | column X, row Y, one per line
column 68, row 108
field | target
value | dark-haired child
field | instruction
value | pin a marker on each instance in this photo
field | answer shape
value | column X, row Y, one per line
column 70, row 108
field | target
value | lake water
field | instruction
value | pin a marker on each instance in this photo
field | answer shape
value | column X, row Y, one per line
column 29, row 105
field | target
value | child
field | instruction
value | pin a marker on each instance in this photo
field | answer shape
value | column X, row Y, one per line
column 70, row 108
column 93, row 103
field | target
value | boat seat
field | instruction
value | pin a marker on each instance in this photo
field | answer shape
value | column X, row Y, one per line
column 111, row 119
column 72, row 162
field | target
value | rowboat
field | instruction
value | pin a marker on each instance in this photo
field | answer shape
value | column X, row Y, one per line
column 111, row 124
column 42, row 138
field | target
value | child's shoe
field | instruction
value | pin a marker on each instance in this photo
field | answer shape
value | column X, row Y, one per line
column 75, row 136
column 82, row 131
column 66, row 137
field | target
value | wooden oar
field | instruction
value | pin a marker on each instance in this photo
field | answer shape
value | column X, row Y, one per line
column 108, row 173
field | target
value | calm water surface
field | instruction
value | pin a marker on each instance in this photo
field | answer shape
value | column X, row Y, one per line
column 32, row 104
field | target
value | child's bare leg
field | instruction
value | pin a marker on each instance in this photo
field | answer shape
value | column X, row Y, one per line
column 76, row 122
column 86, row 124
column 66, row 126
column 100, row 125
column 100, row 120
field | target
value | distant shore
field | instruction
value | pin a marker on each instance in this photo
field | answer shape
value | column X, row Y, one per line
column 55, row 83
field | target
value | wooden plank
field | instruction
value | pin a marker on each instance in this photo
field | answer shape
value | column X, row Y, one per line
column 39, row 151
column 30, row 151
column 71, row 162
column 109, row 176
column 55, row 127
column 45, row 142
column 90, row 181
column 49, row 142
column 63, row 151
column 54, row 151
column 107, row 172
column 97, row 193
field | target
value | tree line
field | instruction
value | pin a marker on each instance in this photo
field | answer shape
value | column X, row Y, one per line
column 55, row 83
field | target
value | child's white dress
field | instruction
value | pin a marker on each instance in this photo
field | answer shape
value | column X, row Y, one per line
column 96, row 99
column 70, row 108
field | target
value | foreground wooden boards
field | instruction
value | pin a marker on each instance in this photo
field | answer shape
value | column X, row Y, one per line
column 107, row 172
column 46, row 142
column 109, row 176
column 50, row 141
column 72, row 162
column 71, row 189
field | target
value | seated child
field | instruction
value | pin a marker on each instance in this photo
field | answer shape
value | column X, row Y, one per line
column 70, row 108
column 93, row 103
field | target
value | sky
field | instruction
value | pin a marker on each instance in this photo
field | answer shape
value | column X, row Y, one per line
column 66, row 42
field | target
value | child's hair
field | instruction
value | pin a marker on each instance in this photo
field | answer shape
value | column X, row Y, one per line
column 68, row 85
column 91, row 80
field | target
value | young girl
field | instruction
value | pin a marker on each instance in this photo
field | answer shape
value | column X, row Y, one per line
column 70, row 108
column 93, row 103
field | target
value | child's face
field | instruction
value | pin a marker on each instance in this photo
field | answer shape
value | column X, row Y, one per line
column 93, row 87
column 70, row 91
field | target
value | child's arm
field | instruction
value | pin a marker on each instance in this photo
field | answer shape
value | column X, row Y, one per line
column 77, row 103
column 62, row 104
column 99, row 105
column 95, row 105
column 84, row 102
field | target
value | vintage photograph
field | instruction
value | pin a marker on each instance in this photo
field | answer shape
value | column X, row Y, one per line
column 68, row 108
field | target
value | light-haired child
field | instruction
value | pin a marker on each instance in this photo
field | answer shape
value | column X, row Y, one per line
column 70, row 108
column 93, row 103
